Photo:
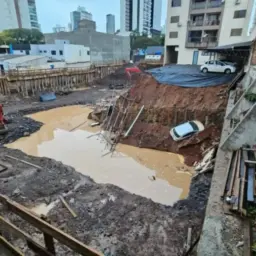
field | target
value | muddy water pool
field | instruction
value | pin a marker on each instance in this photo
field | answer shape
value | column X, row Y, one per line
column 63, row 138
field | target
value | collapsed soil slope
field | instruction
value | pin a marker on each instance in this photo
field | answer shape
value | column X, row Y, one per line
column 167, row 106
column 109, row 219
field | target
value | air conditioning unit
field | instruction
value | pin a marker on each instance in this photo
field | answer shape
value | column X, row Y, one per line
column 237, row 2
column 179, row 24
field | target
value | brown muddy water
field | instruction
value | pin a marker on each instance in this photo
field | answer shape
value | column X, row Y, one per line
column 63, row 138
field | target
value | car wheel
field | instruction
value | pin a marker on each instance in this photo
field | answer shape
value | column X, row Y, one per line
column 227, row 71
column 205, row 70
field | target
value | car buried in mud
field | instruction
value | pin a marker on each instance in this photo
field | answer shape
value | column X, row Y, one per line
column 186, row 130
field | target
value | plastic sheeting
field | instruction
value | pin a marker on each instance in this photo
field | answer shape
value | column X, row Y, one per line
column 188, row 76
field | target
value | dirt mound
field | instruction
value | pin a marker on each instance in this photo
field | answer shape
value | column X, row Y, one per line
column 167, row 106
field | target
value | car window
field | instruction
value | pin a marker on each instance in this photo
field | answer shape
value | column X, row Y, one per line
column 176, row 134
column 220, row 63
column 194, row 126
column 189, row 134
column 207, row 62
column 211, row 62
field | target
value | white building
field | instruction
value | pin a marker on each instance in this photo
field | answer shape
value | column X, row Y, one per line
column 110, row 24
column 140, row 15
column 14, row 14
column 194, row 25
column 62, row 50
column 79, row 14
column 33, row 14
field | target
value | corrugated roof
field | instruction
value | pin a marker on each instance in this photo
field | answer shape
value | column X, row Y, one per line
column 237, row 46
column 25, row 58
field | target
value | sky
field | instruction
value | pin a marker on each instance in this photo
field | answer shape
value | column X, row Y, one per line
column 53, row 12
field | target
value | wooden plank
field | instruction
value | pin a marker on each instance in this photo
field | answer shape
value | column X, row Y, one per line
column 250, row 162
column 225, row 187
column 9, row 247
column 68, row 207
column 25, row 162
column 48, row 240
column 36, row 247
column 229, row 193
column 62, row 237
column 236, row 187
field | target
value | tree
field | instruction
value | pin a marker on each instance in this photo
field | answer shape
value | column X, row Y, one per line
column 21, row 36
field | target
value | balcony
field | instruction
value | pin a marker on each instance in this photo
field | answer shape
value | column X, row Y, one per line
column 205, row 23
column 198, row 5
column 214, row 4
column 202, row 42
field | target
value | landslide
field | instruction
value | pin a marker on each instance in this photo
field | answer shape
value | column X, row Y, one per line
column 167, row 106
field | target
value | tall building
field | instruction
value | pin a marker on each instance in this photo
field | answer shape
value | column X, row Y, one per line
column 14, row 14
column 194, row 25
column 110, row 24
column 79, row 14
column 33, row 14
column 140, row 15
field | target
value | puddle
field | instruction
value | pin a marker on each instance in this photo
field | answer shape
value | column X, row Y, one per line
column 130, row 168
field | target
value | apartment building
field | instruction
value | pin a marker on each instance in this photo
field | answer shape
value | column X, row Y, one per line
column 14, row 14
column 79, row 14
column 194, row 25
column 110, row 24
column 33, row 14
column 140, row 15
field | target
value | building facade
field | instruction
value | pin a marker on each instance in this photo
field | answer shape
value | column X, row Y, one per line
column 79, row 14
column 194, row 25
column 33, row 14
column 110, row 24
column 14, row 14
column 140, row 15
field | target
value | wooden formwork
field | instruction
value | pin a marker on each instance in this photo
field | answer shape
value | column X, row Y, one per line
column 27, row 82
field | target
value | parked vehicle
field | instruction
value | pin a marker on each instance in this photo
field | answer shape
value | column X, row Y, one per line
column 186, row 130
column 229, row 62
column 218, row 66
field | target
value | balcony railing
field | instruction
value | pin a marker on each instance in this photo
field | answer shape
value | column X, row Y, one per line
column 199, row 23
column 214, row 4
column 201, row 42
column 198, row 5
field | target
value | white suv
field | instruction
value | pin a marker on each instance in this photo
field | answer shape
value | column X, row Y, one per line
column 218, row 66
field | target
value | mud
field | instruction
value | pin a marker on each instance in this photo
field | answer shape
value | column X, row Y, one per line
column 109, row 219
column 63, row 139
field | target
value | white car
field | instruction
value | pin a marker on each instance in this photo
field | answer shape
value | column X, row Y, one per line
column 186, row 130
column 218, row 66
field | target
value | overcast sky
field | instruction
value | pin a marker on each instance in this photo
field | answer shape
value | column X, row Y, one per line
column 52, row 12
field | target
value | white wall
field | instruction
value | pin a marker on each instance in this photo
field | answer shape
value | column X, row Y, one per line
column 46, row 50
column 76, row 53
column 19, row 52
column 228, row 21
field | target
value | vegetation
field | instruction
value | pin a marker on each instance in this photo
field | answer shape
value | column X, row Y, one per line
column 250, row 97
column 21, row 36
column 143, row 41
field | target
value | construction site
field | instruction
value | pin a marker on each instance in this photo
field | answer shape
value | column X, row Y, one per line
column 89, row 164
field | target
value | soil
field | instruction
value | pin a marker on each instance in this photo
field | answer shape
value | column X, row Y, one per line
column 110, row 219
column 165, row 107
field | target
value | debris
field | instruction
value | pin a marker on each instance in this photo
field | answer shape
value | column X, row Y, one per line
column 78, row 126
column 240, row 244
column 68, row 207
column 95, row 124
column 3, row 168
column 16, row 192
column 25, row 162
column 47, row 97
column 25, row 134
column 188, row 244
column 152, row 178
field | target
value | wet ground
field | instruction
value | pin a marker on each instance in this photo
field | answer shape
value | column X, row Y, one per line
column 67, row 136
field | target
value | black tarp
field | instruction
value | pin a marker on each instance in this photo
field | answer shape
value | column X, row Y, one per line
column 189, row 76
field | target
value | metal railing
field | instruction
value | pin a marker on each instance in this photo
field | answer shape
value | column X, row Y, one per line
column 214, row 4
column 202, row 42
column 199, row 23
column 201, row 5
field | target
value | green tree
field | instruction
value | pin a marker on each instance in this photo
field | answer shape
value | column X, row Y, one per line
column 22, row 36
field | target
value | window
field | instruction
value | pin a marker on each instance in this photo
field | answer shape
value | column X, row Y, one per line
column 176, row 3
column 21, row 50
column 61, row 52
column 53, row 52
column 236, row 32
column 239, row 14
column 88, row 52
column 175, row 19
column 40, row 51
column 173, row 35
column 210, row 62
column 45, row 51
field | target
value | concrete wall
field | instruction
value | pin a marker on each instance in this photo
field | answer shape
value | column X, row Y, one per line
column 76, row 53
column 8, row 15
column 228, row 22
column 103, row 47
column 46, row 50
column 24, row 13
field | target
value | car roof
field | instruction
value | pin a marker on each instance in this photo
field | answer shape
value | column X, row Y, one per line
column 184, row 129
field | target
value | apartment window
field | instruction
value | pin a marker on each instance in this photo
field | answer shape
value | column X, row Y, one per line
column 40, row 51
column 236, row 32
column 239, row 14
column 45, row 51
column 53, row 52
column 88, row 52
column 173, row 35
column 176, row 3
column 61, row 52
column 175, row 19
